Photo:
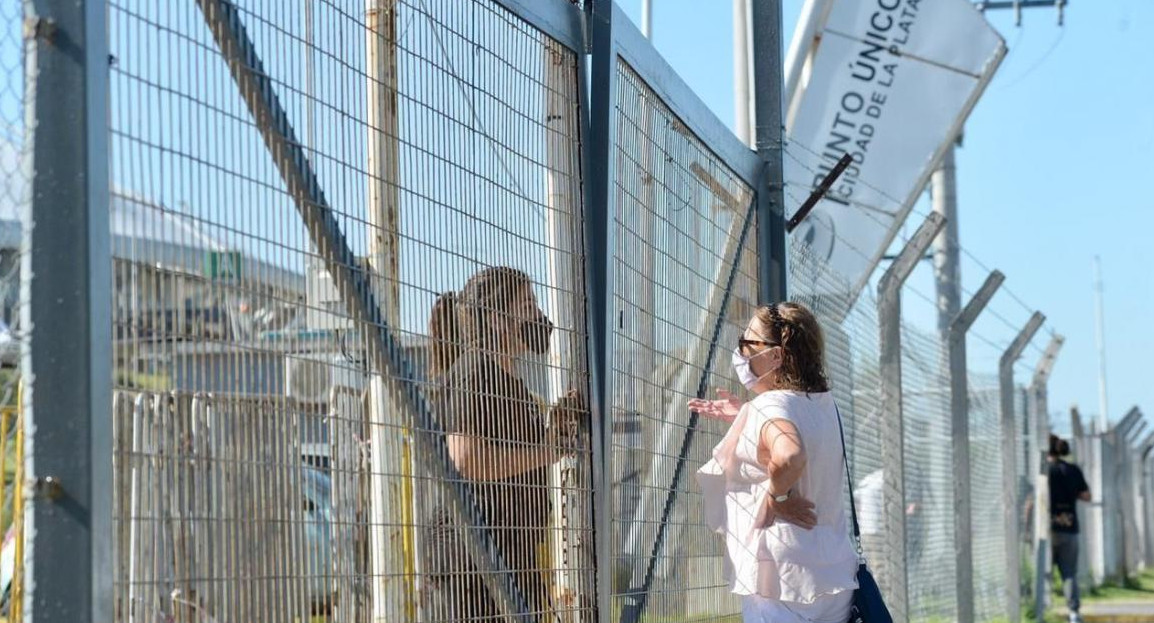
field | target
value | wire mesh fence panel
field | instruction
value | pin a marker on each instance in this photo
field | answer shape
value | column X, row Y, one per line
column 679, row 225
column 852, row 356
column 929, row 493
column 272, row 463
column 15, row 179
column 988, row 519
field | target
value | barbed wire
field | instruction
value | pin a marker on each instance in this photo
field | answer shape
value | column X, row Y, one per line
column 871, row 213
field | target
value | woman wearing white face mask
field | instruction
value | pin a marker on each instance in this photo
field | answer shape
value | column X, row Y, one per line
column 775, row 486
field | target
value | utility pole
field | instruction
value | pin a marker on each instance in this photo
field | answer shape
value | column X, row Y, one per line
column 947, row 267
column 1100, row 340
column 944, row 193
column 770, row 128
column 741, row 96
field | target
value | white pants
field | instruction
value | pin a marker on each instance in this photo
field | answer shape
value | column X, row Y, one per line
column 828, row 609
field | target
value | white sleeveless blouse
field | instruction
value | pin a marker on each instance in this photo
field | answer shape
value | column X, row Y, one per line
column 782, row 562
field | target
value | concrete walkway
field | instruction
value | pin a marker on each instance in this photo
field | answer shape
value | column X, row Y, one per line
column 1131, row 611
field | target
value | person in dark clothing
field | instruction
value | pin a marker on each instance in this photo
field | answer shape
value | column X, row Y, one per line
column 497, row 435
column 1067, row 486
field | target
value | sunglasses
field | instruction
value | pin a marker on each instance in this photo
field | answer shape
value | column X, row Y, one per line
column 744, row 345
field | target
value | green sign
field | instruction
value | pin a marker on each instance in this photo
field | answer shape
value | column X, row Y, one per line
column 223, row 265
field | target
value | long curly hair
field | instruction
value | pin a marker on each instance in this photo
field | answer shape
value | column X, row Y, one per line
column 458, row 318
column 795, row 328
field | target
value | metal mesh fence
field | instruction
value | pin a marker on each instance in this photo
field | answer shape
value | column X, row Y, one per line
column 852, row 355
column 988, row 525
column 267, row 467
column 679, row 229
column 852, row 360
column 349, row 330
column 929, row 492
column 15, row 141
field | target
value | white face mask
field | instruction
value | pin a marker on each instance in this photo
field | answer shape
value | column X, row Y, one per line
column 743, row 370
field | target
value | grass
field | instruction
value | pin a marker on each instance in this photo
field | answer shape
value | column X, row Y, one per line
column 1136, row 588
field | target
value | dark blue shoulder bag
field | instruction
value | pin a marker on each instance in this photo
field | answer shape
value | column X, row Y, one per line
column 868, row 605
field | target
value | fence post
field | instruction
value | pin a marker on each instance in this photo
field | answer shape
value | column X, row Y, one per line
column 66, row 287
column 1136, row 554
column 1147, row 511
column 1009, row 464
column 893, row 579
column 1120, row 479
column 1039, row 389
column 393, row 587
column 770, row 128
column 599, row 214
column 960, row 429
column 1081, row 446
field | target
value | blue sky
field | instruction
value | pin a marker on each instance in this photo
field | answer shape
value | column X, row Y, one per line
column 1050, row 175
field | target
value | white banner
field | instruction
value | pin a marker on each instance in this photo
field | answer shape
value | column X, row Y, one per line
column 889, row 82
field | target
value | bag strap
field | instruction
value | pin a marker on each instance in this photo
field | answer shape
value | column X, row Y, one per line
column 849, row 483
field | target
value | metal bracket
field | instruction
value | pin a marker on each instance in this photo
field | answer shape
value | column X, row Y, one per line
column 48, row 488
column 40, row 28
column 818, row 193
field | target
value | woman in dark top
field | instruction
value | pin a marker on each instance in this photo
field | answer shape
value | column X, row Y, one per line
column 496, row 433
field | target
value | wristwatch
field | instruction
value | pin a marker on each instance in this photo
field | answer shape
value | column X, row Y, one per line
column 781, row 498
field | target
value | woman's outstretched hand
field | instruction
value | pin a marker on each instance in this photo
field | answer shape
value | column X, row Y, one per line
column 725, row 408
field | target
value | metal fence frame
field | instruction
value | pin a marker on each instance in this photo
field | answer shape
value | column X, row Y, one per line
column 960, row 427
column 1010, row 453
column 893, row 577
column 615, row 39
column 68, row 401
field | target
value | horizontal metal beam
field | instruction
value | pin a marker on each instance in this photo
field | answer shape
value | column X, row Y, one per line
column 1022, row 4
column 562, row 20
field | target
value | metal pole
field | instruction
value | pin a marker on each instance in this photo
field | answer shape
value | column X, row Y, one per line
column 647, row 19
column 960, row 429
column 893, row 579
column 1100, row 341
column 66, row 287
column 1123, row 497
column 741, row 94
column 1082, row 449
column 564, row 304
column 599, row 232
column 767, row 76
column 1010, row 465
column 392, row 581
column 947, row 269
column 801, row 49
column 1039, row 392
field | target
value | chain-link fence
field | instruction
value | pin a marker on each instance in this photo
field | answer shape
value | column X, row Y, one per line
column 15, row 179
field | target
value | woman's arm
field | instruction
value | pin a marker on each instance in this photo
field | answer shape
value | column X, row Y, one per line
column 780, row 450
column 478, row 459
